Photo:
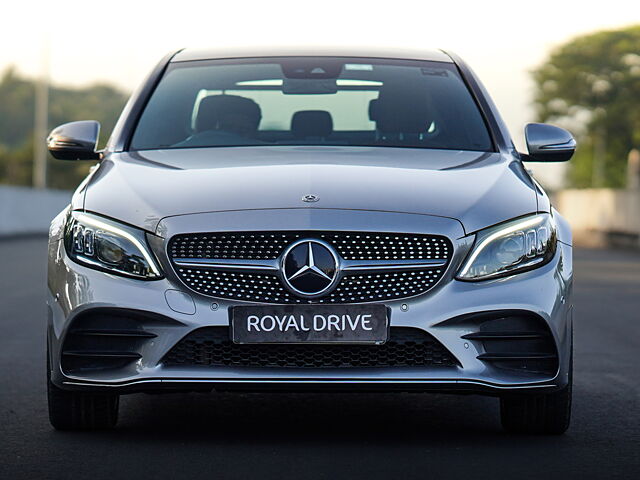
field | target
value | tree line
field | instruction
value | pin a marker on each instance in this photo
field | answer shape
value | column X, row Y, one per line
column 66, row 104
column 591, row 85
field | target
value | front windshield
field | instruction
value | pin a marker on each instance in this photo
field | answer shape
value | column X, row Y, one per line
column 311, row 101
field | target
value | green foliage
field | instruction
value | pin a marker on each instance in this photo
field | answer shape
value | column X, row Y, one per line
column 591, row 85
column 17, row 103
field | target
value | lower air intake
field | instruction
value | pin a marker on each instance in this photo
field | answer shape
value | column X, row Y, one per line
column 406, row 347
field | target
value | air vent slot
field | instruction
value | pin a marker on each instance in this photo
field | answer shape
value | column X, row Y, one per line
column 107, row 339
column 515, row 340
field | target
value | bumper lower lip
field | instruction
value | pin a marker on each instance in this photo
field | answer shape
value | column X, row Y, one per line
column 283, row 384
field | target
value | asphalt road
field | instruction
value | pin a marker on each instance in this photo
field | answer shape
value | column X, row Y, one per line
column 328, row 436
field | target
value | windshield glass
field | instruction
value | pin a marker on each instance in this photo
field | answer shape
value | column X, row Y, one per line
column 311, row 101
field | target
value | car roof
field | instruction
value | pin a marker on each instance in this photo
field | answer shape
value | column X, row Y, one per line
column 190, row 54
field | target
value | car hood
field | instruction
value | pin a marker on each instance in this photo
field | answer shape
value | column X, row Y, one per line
column 478, row 189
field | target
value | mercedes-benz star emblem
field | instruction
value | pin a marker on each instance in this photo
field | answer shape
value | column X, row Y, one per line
column 310, row 198
column 309, row 267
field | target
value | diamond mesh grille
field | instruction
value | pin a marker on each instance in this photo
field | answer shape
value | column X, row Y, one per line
column 266, row 287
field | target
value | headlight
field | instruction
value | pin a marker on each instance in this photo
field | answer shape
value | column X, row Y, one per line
column 106, row 245
column 511, row 247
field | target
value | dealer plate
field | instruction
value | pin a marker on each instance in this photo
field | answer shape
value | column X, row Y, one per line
column 310, row 324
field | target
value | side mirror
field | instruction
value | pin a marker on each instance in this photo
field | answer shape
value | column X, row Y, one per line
column 547, row 143
column 75, row 141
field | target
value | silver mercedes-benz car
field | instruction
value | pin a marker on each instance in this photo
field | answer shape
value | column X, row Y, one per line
column 310, row 220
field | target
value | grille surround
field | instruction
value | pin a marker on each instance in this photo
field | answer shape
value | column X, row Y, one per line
column 251, row 282
column 212, row 347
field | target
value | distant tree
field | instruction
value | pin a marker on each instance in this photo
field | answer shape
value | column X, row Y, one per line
column 591, row 85
column 16, row 109
column 17, row 102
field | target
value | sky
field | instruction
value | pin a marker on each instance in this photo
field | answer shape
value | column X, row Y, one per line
column 118, row 42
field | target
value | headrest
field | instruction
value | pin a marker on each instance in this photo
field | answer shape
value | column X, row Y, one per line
column 215, row 111
column 311, row 123
column 400, row 111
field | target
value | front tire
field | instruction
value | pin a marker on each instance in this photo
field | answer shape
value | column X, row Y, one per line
column 548, row 414
column 80, row 411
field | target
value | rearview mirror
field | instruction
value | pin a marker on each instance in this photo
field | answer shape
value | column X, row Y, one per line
column 547, row 143
column 75, row 141
column 305, row 86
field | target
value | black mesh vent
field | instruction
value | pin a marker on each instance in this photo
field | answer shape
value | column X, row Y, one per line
column 515, row 340
column 406, row 347
column 107, row 339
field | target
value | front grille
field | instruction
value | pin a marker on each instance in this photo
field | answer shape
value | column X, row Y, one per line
column 266, row 287
column 212, row 347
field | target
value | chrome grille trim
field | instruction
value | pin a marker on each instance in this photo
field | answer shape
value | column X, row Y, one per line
column 224, row 264
column 382, row 265
column 272, row 265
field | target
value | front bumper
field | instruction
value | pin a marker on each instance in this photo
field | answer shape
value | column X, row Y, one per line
column 446, row 312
